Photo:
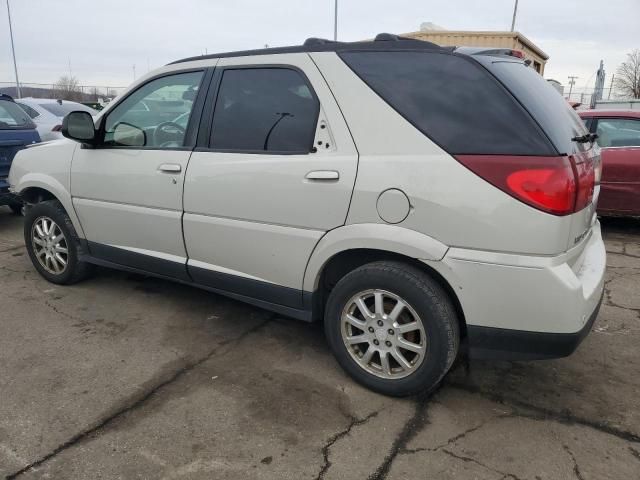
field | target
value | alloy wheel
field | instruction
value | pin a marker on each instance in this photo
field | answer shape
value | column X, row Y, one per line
column 50, row 245
column 383, row 334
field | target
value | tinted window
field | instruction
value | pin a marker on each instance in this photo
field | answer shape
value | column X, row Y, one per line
column 61, row 109
column 452, row 100
column 30, row 111
column 160, row 108
column 12, row 116
column 264, row 109
column 559, row 121
column 618, row 132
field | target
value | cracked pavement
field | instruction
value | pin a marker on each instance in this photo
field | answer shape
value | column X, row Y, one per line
column 123, row 376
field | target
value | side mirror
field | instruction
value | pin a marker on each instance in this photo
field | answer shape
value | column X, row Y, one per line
column 129, row 135
column 79, row 126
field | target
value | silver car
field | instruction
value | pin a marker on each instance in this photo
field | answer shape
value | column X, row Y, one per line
column 48, row 113
column 421, row 201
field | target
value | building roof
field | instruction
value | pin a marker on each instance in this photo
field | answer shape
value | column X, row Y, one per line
column 480, row 33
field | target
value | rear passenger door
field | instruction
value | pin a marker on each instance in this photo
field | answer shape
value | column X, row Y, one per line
column 273, row 170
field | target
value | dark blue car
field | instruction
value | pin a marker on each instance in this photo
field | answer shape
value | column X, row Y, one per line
column 16, row 132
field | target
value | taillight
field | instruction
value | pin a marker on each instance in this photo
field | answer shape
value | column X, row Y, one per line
column 516, row 53
column 57, row 128
column 556, row 185
column 585, row 173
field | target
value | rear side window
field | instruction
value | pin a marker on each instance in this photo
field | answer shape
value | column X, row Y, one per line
column 264, row 109
column 33, row 113
column 13, row 117
column 559, row 121
column 62, row 109
column 618, row 132
column 452, row 100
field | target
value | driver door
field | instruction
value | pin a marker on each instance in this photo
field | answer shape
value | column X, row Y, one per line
column 127, row 192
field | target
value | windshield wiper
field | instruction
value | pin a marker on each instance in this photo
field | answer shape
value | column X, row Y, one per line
column 587, row 137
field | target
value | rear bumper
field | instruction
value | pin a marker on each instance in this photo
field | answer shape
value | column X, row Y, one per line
column 6, row 197
column 527, row 307
column 505, row 344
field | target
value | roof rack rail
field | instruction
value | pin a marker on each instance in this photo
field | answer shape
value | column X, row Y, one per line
column 311, row 41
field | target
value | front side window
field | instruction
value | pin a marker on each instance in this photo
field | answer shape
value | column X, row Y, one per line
column 264, row 109
column 156, row 115
column 618, row 132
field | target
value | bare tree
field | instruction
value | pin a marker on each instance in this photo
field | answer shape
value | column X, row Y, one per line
column 67, row 88
column 627, row 82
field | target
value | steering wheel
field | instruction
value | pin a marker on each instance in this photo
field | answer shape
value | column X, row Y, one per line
column 168, row 133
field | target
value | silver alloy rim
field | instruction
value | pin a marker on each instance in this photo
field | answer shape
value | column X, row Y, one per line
column 383, row 334
column 50, row 245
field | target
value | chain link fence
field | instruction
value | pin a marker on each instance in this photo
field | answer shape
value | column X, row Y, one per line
column 76, row 93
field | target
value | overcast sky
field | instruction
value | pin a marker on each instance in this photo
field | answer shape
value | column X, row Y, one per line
column 103, row 40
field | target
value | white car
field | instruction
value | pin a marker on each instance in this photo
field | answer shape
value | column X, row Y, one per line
column 421, row 201
column 48, row 113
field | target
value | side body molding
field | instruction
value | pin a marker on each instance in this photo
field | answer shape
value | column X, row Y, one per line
column 390, row 238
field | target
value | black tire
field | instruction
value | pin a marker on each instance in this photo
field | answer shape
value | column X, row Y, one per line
column 17, row 208
column 75, row 269
column 426, row 297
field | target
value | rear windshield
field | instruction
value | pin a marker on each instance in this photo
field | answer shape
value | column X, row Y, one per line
column 452, row 100
column 559, row 121
column 60, row 110
column 13, row 117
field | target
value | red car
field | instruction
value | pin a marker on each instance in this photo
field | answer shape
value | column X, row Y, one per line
column 619, row 137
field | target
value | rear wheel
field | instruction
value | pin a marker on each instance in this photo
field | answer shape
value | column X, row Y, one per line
column 392, row 328
column 53, row 245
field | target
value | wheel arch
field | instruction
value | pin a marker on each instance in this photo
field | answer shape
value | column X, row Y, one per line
column 347, row 248
column 35, row 188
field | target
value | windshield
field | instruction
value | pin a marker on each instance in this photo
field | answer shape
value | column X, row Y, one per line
column 552, row 112
column 61, row 109
column 13, row 117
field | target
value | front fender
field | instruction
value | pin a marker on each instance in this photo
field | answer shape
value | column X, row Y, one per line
column 389, row 238
column 46, row 166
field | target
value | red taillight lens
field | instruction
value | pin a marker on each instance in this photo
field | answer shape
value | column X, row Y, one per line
column 549, row 184
column 517, row 53
column 57, row 128
column 586, row 175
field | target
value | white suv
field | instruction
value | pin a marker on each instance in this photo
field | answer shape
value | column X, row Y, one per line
column 420, row 200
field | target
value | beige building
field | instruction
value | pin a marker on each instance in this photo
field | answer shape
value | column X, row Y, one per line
column 512, row 40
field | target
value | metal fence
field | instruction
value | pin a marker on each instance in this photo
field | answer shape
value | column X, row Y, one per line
column 78, row 93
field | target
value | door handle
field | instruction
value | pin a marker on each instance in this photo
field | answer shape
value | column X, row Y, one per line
column 322, row 175
column 170, row 168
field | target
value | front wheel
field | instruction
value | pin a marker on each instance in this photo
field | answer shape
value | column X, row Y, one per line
column 392, row 328
column 53, row 244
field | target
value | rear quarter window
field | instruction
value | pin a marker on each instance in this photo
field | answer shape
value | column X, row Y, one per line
column 554, row 114
column 452, row 100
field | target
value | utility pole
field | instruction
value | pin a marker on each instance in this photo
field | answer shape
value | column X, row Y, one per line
column 611, row 86
column 513, row 20
column 572, row 82
column 335, row 20
column 13, row 51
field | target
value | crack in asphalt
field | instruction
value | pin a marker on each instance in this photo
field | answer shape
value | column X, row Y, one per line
column 138, row 402
column 505, row 475
column 634, row 452
column 355, row 422
column 450, row 441
column 538, row 413
column 411, row 428
column 576, row 468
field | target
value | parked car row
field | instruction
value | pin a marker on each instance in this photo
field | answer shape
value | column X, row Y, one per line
column 48, row 113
